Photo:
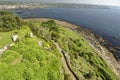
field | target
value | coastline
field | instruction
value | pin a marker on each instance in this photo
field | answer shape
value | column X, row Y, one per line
column 86, row 33
column 105, row 49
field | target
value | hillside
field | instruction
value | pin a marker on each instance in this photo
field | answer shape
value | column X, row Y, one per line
column 45, row 50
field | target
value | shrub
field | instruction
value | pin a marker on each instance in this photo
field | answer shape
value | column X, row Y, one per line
column 3, row 12
column 9, row 22
column 67, row 77
column 55, row 36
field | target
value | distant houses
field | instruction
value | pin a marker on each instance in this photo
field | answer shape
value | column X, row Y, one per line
column 2, row 7
column 22, row 6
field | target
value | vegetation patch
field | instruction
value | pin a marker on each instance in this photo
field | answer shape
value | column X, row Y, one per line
column 37, row 58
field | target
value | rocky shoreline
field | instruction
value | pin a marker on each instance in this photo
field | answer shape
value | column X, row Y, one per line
column 105, row 49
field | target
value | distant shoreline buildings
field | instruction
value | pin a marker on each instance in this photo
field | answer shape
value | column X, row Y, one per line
column 2, row 7
column 21, row 6
column 45, row 5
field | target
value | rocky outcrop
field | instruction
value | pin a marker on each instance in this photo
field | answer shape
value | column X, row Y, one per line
column 2, row 50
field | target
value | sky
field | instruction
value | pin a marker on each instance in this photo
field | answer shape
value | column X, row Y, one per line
column 99, row 2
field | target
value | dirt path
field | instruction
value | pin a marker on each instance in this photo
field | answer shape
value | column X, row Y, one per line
column 65, row 64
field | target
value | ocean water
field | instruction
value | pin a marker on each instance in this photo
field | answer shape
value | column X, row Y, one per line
column 105, row 22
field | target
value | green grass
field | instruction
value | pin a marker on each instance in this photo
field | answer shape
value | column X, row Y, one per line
column 29, row 61
column 85, row 60
column 5, row 38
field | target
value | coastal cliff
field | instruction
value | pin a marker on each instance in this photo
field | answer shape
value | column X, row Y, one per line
column 48, row 49
column 109, row 53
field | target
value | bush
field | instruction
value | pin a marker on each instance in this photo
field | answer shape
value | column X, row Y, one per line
column 67, row 77
column 9, row 22
column 55, row 36
column 51, row 25
column 3, row 12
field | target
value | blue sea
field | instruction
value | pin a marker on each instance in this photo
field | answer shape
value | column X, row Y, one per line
column 105, row 22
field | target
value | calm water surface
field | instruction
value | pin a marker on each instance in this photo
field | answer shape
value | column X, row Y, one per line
column 105, row 22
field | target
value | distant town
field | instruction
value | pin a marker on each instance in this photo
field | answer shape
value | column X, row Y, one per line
column 22, row 6
column 26, row 5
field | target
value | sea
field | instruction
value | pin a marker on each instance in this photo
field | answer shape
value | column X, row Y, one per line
column 102, row 21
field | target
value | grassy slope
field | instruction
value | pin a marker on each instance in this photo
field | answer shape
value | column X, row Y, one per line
column 27, row 60
column 23, row 62
column 5, row 38
column 84, row 60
